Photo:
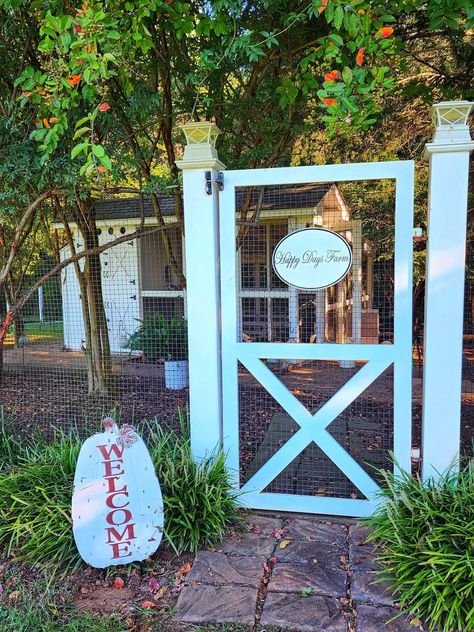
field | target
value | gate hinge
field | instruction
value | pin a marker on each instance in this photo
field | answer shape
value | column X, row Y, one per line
column 218, row 179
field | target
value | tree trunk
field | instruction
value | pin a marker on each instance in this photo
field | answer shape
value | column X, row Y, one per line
column 97, row 345
column 4, row 326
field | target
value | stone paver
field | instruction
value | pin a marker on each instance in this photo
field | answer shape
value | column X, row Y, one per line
column 329, row 561
column 374, row 619
column 217, row 604
column 217, row 568
column 309, row 614
column 316, row 552
column 249, row 544
column 265, row 524
column 366, row 586
column 323, row 580
column 316, row 531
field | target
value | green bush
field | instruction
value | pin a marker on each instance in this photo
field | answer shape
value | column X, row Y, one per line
column 36, row 488
column 161, row 338
column 199, row 500
column 35, row 501
column 426, row 533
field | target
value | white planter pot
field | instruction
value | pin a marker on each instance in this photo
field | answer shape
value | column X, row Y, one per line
column 176, row 374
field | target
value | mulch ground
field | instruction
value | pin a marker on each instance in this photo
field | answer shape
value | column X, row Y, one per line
column 132, row 591
column 41, row 399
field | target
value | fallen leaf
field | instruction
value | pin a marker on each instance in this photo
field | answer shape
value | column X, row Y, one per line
column 415, row 622
column 266, row 568
column 160, row 593
column 273, row 560
column 118, row 583
column 148, row 605
column 154, row 584
column 284, row 544
column 13, row 595
column 185, row 569
column 194, row 583
column 278, row 533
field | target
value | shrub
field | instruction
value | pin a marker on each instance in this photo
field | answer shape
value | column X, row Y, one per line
column 199, row 499
column 36, row 490
column 35, row 502
column 161, row 339
column 426, row 533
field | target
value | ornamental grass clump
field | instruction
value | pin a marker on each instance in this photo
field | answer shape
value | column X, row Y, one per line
column 426, row 533
column 199, row 499
column 35, row 502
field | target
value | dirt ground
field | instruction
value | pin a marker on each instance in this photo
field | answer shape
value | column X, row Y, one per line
column 43, row 396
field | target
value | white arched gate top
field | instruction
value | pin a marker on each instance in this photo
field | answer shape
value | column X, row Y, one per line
column 313, row 427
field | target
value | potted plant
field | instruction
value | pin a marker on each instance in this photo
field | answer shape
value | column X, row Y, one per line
column 161, row 338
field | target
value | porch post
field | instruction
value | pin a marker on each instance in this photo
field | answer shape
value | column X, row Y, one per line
column 201, row 223
column 448, row 156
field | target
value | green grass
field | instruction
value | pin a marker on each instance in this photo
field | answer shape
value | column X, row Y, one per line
column 426, row 533
column 38, row 333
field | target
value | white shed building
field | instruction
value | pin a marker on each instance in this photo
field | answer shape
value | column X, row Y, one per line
column 138, row 280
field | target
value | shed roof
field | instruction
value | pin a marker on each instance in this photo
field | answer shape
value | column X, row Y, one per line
column 274, row 198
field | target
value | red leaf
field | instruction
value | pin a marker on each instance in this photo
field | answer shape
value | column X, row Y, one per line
column 185, row 569
column 384, row 32
column 332, row 76
column 118, row 583
column 154, row 584
column 101, row 169
column 74, row 80
column 103, row 107
column 330, row 102
column 323, row 6
column 148, row 605
column 360, row 56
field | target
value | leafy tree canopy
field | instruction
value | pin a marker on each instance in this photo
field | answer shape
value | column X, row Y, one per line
column 115, row 76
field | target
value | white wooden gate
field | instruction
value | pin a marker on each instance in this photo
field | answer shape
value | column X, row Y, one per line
column 311, row 428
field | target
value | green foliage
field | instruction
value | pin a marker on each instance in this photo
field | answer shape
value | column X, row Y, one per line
column 110, row 48
column 426, row 533
column 161, row 338
column 36, row 484
column 35, row 499
column 199, row 500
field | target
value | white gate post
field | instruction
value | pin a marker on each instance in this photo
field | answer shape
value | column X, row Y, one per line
column 201, row 222
column 444, row 299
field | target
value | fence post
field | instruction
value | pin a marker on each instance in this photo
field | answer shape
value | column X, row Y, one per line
column 200, row 166
column 448, row 156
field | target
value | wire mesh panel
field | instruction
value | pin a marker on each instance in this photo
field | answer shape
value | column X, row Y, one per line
column 310, row 414
column 108, row 333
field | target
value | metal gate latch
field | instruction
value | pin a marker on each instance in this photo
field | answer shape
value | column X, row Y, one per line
column 218, row 179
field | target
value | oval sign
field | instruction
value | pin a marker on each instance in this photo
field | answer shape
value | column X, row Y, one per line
column 312, row 258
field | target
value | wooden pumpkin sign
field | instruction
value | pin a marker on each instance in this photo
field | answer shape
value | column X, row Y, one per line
column 117, row 507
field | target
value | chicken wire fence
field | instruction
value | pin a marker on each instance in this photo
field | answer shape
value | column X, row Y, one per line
column 358, row 309
column 109, row 335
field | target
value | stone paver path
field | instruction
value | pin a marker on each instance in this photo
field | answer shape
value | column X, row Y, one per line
column 291, row 572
